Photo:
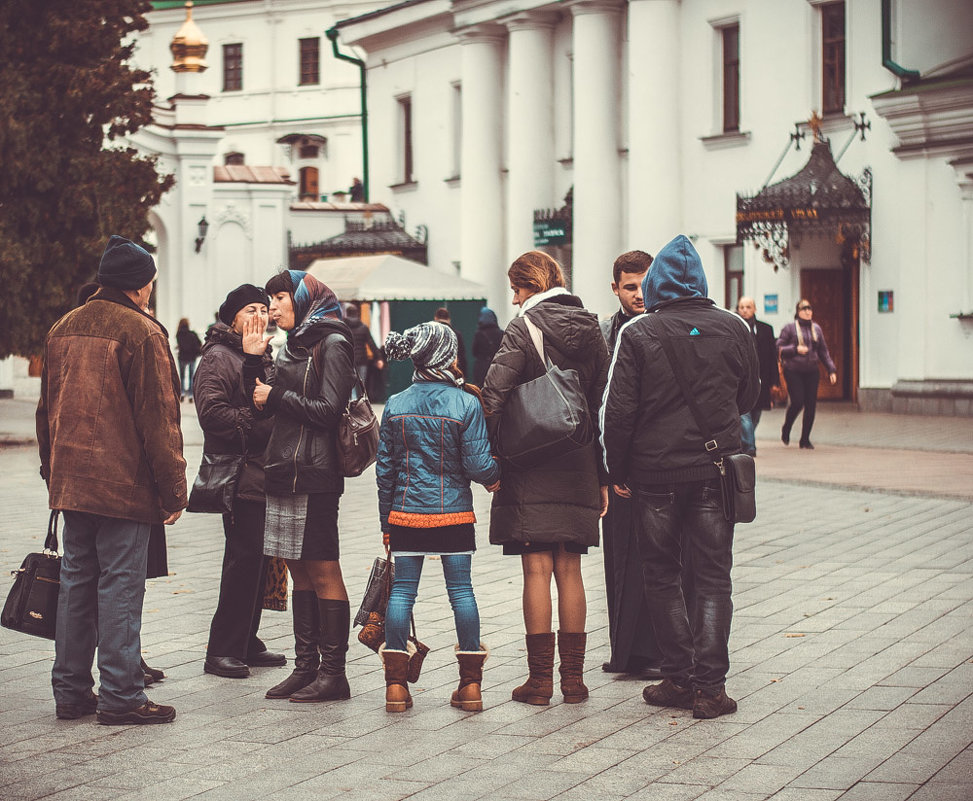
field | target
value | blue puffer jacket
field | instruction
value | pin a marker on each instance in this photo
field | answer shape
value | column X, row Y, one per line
column 433, row 443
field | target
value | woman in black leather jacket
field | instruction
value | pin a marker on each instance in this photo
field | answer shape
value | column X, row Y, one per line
column 315, row 376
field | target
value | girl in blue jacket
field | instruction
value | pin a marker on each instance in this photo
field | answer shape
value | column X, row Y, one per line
column 433, row 443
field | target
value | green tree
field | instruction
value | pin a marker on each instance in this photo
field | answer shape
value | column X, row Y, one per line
column 68, row 97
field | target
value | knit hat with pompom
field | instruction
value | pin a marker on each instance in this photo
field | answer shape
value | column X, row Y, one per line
column 429, row 345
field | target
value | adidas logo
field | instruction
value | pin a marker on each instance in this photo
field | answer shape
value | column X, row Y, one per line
column 694, row 332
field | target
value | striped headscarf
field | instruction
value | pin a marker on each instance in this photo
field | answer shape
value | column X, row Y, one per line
column 312, row 300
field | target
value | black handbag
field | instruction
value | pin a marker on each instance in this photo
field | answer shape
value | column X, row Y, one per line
column 544, row 418
column 357, row 437
column 216, row 482
column 31, row 605
column 738, row 475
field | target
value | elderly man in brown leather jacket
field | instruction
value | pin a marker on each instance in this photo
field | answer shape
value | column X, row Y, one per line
column 111, row 453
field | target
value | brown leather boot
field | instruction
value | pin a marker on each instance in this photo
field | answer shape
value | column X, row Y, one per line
column 570, row 647
column 539, row 687
column 397, row 698
column 467, row 696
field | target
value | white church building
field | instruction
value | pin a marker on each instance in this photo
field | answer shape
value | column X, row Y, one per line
column 598, row 126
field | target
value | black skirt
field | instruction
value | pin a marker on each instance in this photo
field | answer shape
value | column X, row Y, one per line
column 520, row 548
column 441, row 539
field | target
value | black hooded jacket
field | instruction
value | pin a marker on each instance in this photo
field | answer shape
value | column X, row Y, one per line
column 315, row 376
column 649, row 434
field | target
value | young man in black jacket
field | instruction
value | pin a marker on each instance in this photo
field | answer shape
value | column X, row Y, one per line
column 657, row 454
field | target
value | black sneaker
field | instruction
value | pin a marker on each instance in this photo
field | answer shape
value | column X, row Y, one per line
column 668, row 694
column 141, row 715
column 151, row 674
column 74, row 711
column 709, row 706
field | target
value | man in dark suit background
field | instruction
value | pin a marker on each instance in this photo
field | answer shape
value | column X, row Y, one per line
column 767, row 357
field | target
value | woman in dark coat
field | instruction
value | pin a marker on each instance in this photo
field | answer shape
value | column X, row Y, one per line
column 548, row 515
column 315, row 376
column 486, row 340
column 188, row 348
column 802, row 349
column 230, row 426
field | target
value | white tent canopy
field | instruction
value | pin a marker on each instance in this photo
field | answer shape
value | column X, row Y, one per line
column 387, row 277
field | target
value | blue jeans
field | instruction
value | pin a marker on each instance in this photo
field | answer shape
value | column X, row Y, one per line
column 679, row 522
column 456, row 569
column 186, row 372
column 748, row 442
column 100, row 606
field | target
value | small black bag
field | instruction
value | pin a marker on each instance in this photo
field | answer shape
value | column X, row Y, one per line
column 31, row 605
column 215, row 486
column 376, row 597
column 544, row 418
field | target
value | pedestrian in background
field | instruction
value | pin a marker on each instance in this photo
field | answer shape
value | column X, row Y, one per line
column 363, row 341
column 486, row 340
column 433, row 444
column 188, row 348
column 548, row 515
column 231, row 425
column 111, row 452
column 656, row 452
column 442, row 316
column 633, row 646
column 302, row 477
column 802, row 348
column 765, row 342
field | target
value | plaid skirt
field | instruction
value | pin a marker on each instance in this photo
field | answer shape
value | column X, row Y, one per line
column 302, row 526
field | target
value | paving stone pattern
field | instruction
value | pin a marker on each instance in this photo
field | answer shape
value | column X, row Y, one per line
column 851, row 659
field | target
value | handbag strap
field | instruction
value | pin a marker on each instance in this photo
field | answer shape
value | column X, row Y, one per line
column 50, row 543
column 711, row 444
column 537, row 337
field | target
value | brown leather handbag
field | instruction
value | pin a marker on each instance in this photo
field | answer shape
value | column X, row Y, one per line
column 778, row 392
column 357, row 437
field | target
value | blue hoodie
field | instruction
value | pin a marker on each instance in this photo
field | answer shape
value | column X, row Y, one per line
column 676, row 272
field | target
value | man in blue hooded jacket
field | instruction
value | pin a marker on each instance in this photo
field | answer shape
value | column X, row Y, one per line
column 656, row 453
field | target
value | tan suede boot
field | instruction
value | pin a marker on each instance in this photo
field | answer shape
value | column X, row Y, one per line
column 571, row 647
column 467, row 696
column 397, row 698
column 539, row 687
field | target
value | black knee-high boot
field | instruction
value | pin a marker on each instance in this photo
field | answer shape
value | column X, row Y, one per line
column 304, row 605
column 330, row 683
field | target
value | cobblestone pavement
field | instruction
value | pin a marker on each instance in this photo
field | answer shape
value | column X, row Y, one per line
column 851, row 659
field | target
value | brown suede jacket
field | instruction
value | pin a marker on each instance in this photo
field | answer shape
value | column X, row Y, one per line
column 108, row 417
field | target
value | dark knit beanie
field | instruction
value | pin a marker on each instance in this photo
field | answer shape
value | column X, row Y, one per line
column 431, row 345
column 125, row 265
column 241, row 296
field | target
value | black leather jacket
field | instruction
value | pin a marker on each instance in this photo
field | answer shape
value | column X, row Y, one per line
column 315, row 376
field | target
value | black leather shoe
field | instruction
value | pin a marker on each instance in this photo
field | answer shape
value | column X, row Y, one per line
column 151, row 674
column 74, row 711
column 807, row 445
column 266, row 659
column 785, row 436
column 229, row 667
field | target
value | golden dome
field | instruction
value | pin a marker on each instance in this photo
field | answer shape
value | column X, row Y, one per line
column 189, row 46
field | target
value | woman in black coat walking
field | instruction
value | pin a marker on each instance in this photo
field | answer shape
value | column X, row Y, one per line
column 549, row 514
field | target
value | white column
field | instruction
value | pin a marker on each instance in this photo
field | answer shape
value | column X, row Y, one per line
column 481, row 215
column 966, row 192
column 654, row 194
column 597, row 173
column 530, row 122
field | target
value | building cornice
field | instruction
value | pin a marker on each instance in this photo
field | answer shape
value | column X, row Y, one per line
column 929, row 118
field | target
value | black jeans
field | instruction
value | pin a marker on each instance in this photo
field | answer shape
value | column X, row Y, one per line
column 237, row 618
column 681, row 522
column 802, row 387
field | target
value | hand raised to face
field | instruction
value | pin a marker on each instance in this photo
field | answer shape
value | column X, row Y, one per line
column 254, row 341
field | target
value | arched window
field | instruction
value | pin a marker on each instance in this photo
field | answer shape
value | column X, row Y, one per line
column 233, row 158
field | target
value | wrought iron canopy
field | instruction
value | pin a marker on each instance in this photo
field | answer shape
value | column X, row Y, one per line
column 819, row 199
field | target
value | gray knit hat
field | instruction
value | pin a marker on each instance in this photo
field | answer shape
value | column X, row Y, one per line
column 429, row 345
